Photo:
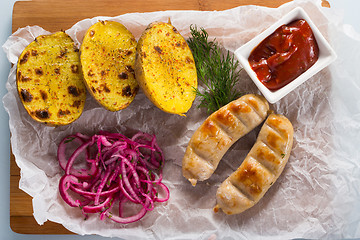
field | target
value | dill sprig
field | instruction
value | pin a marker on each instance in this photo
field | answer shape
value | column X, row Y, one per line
column 219, row 72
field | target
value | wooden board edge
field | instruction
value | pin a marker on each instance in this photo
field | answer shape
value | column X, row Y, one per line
column 28, row 225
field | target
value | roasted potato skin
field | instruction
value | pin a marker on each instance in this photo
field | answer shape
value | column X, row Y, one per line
column 107, row 56
column 49, row 80
column 165, row 68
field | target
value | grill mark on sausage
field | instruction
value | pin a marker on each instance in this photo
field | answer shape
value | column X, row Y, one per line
column 235, row 108
column 248, row 178
column 263, row 165
column 225, row 131
column 271, row 123
column 202, row 157
column 241, row 191
column 272, row 148
column 226, row 118
column 211, row 131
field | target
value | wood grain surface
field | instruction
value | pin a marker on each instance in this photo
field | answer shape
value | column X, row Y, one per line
column 55, row 15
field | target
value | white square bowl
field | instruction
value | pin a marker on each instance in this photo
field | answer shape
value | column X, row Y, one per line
column 326, row 55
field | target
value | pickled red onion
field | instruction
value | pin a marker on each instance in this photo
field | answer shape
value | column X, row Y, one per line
column 119, row 169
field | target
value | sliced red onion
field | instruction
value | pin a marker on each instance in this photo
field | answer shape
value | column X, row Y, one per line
column 119, row 170
column 80, row 173
column 64, row 186
column 97, row 207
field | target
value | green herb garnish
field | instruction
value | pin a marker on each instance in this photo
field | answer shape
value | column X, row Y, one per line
column 219, row 72
column 69, row 139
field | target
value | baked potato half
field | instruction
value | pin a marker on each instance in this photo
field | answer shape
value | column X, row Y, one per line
column 165, row 68
column 107, row 56
column 49, row 80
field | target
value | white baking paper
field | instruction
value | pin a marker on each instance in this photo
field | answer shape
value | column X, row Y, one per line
column 317, row 195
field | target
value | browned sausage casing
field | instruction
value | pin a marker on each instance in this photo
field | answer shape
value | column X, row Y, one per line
column 218, row 132
column 260, row 169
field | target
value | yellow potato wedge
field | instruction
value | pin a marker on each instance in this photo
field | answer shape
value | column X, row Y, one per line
column 49, row 80
column 107, row 57
column 165, row 68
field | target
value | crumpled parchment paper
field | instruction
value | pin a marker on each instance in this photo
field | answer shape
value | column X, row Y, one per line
column 317, row 195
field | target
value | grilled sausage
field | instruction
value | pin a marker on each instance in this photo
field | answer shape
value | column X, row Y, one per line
column 218, row 132
column 260, row 169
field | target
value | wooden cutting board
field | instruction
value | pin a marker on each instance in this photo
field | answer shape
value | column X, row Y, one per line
column 55, row 15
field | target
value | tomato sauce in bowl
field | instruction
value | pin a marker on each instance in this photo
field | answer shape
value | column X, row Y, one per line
column 285, row 54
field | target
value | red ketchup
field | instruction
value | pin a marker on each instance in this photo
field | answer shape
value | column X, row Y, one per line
column 285, row 54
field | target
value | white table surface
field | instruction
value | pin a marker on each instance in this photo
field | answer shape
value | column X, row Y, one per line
column 350, row 9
